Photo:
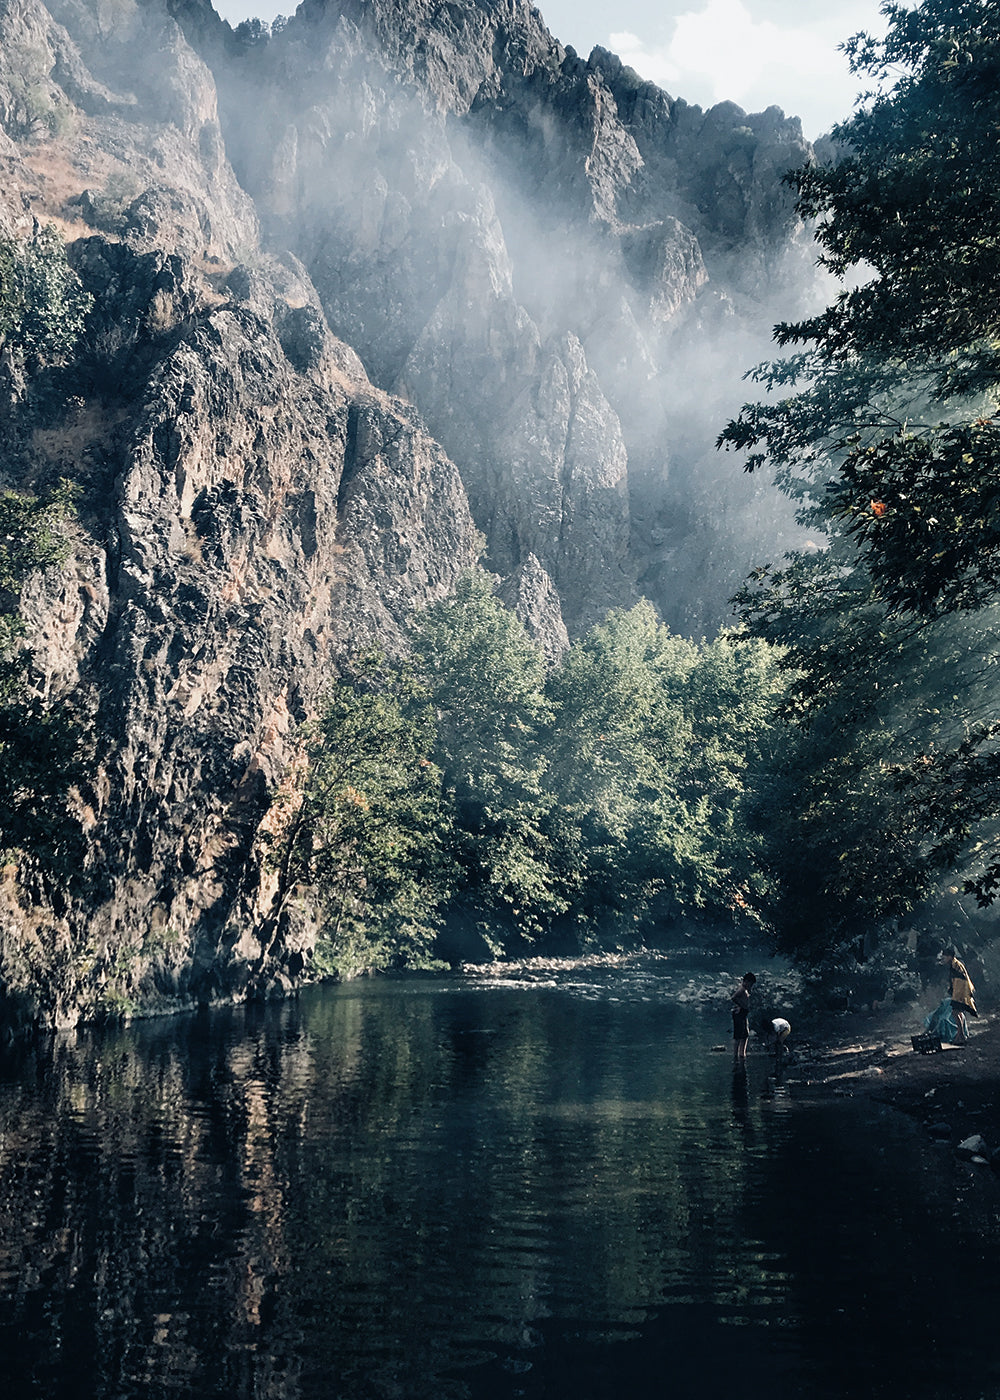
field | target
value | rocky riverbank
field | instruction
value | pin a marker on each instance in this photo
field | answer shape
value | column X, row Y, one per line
column 954, row 1094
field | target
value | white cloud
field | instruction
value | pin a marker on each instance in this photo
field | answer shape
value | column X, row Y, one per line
column 727, row 45
column 722, row 53
column 651, row 61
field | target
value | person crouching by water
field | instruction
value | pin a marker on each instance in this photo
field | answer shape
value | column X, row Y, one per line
column 961, row 991
column 777, row 1035
column 741, row 1011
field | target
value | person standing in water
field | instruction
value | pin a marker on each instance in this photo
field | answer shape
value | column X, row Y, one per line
column 741, row 1011
column 961, row 991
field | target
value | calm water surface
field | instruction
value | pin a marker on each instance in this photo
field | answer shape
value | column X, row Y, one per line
column 400, row 1191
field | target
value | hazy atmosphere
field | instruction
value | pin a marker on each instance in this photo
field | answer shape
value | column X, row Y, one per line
column 499, row 743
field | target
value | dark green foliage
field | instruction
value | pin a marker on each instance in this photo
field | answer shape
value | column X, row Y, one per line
column 361, row 824
column 733, row 694
column 898, row 390
column 42, row 753
column 884, row 429
column 485, row 683
column 874, row 704
column 917, row 199
column 485, row 680
column 252, row 34
column 31, row 537
column 42, row 309
column 42, row 304
column 652, row 740
column 924, row 507
column 41, row 746
column 616, row 744
column 469, row 790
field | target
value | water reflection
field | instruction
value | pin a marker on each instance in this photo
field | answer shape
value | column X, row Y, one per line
column 741, row 1099
column 421, row 1189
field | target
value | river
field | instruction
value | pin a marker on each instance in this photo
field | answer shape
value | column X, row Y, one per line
column 550, row 1186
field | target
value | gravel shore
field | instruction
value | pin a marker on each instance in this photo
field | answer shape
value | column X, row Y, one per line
column 954, row 1094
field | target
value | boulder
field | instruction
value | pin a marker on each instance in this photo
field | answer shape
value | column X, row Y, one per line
column 973, row 1149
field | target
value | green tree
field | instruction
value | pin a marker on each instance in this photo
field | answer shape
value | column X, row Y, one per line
column 900, row 381
column 251, row 34
column 732, row 696
column 655, row 747
column 462, row 797
column 42, row 745
column 484, row 680
column 876, row 701
column 360, row 828
column 847, row 855
column 616, row 745
column 884, row 427
column 42, row 303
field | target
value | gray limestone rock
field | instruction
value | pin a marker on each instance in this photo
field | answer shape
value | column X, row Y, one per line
column 466, row 193
column 530, row 594
column 252, row 512
column 267, row 520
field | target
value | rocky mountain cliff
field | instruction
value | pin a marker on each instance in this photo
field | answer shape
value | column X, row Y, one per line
column 396, row 275
column 551, row 258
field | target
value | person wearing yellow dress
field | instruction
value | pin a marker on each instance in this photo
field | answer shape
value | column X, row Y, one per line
column 961, row 991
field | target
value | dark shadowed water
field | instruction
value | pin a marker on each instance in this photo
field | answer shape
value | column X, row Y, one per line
column 430, row 1189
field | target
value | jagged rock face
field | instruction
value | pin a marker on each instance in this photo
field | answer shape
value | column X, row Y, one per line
column 253, row 512
column 565, row 465
column 453, row 51
column 529, row 594
column 269, row 523
column 470, row 198
column 410, row 260
column 147, row 157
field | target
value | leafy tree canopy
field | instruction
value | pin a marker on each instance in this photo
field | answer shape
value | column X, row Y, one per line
column 883, row 424
column 361, row 825
column 466, row 790
column 484, row 679
column 898, row 386
column 653, row 742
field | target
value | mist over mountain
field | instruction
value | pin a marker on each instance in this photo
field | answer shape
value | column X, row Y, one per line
column 393, row 277
column 565, row 269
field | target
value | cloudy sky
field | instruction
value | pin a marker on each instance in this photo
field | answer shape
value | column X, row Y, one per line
column 757, row 53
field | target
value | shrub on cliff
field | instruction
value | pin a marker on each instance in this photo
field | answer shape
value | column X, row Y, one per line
column 42, row 302
column 41, row 745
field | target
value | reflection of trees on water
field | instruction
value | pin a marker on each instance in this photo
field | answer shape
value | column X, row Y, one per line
column 352, row 1196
